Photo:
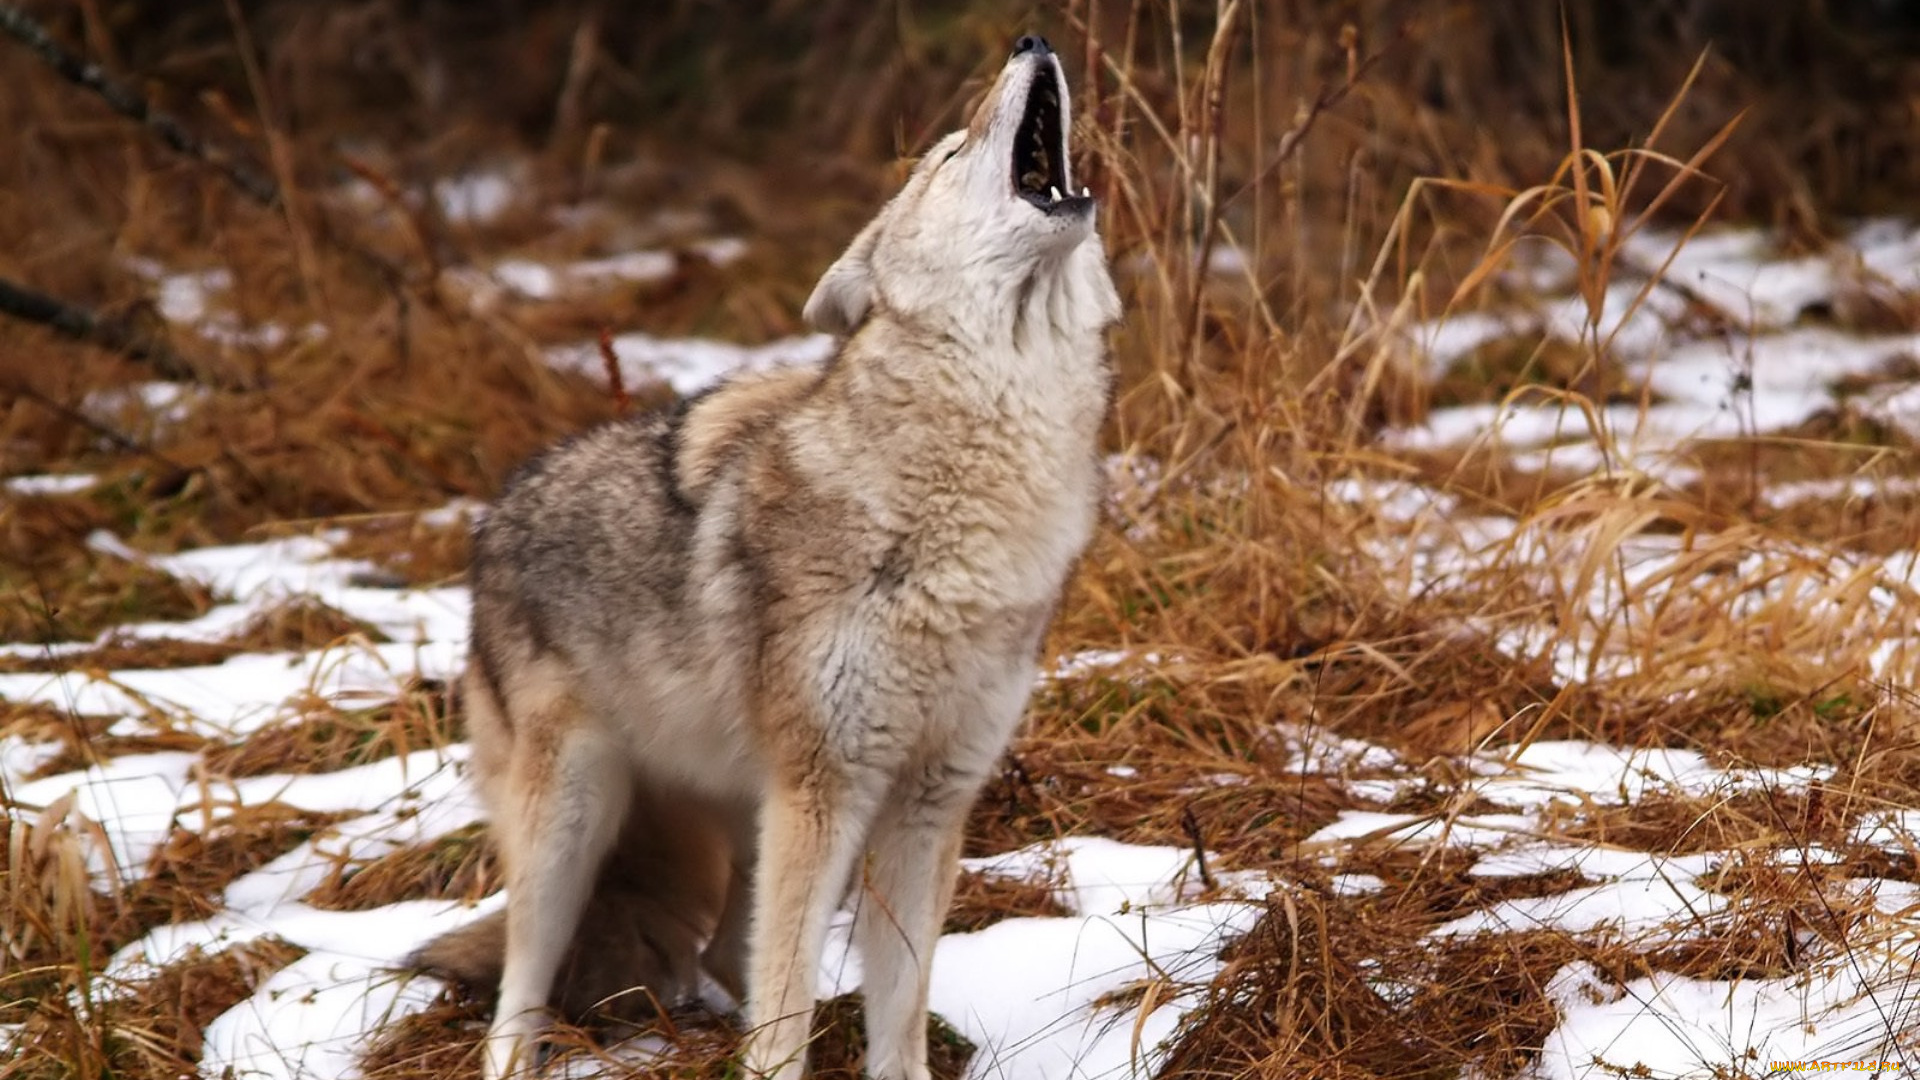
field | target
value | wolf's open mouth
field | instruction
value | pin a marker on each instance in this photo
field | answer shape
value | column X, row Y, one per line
column 1040, row 173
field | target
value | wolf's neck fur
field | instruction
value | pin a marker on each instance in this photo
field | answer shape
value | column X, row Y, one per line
column 998, row 333
column 973, row 443
column 1071, row 302
column 999, row 404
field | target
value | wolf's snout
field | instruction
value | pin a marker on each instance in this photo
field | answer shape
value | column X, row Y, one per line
column 1032, row 43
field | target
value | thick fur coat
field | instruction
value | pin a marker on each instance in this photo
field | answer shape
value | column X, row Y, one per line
column 736, row 663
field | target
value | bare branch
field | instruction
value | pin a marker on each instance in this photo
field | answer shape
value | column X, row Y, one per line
column 129, row 103
column 108, row 332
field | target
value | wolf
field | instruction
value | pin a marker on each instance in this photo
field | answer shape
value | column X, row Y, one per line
column 767, row 646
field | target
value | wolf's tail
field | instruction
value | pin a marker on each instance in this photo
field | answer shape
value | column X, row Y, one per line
column 655, row 905
column 623, row 966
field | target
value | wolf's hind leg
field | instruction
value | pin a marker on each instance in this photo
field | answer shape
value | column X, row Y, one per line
column 901, row 902
column 560, row 810
column 725, row 957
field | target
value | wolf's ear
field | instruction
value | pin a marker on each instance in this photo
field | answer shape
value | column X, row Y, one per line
column 840, row 302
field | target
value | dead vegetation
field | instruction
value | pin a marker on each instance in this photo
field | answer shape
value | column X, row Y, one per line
column 1257, row 168
column 326, row 737
column 459, row 865
column 300, row 624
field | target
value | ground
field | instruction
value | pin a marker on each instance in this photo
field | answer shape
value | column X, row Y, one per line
column 1504, row 670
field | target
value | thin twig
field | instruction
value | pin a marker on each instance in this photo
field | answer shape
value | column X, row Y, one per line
column 257, row 488
column 129, row 103
column 1192, row 826
column 616, row 383
column 420, row 231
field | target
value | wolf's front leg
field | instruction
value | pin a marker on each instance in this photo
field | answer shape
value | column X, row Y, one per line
column 901, row 904
column 565, row 795
column 811, row 830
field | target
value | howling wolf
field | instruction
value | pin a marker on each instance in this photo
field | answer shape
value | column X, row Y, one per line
column 736, row 662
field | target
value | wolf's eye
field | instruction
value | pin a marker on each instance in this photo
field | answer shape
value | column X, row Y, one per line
column 950, row 154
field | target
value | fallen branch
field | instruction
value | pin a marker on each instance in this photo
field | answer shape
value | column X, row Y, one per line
column 129, row 103
column 108, row 332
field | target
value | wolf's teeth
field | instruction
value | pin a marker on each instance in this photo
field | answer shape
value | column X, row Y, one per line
column 1055, row 192
column 1086, row 193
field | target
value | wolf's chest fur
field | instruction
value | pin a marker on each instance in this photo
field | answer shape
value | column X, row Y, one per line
column 932, row 495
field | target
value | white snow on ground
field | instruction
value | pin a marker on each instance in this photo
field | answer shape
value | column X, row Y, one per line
column 196, row 299
column 135, row 798
column 1539, row 778
column 1852, row 1007
column 690, row 365
column 479, row 197
column 155, row 406
column 1853, row 1001
column 1613, row 615
column 1027, row 991
column 246, row 692
column 1765, row 375
column 70, row 484
column 1098, row 662
column 542, row 281
column 1024, row 991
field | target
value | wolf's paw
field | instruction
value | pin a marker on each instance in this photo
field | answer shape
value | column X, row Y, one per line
column 514, row 1048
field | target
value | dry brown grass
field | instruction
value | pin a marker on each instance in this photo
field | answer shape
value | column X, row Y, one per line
column 459, row 865
column 57, row 589
column 87, row 740
column 62, row 927
column 1270, row 604
column 325, row 738
column 163, row 1023
column 297, row 625
column 980, row 900
column 158, row 1030
column 407, row 550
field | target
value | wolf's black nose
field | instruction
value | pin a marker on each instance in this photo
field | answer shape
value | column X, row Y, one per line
column 1032, row 43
